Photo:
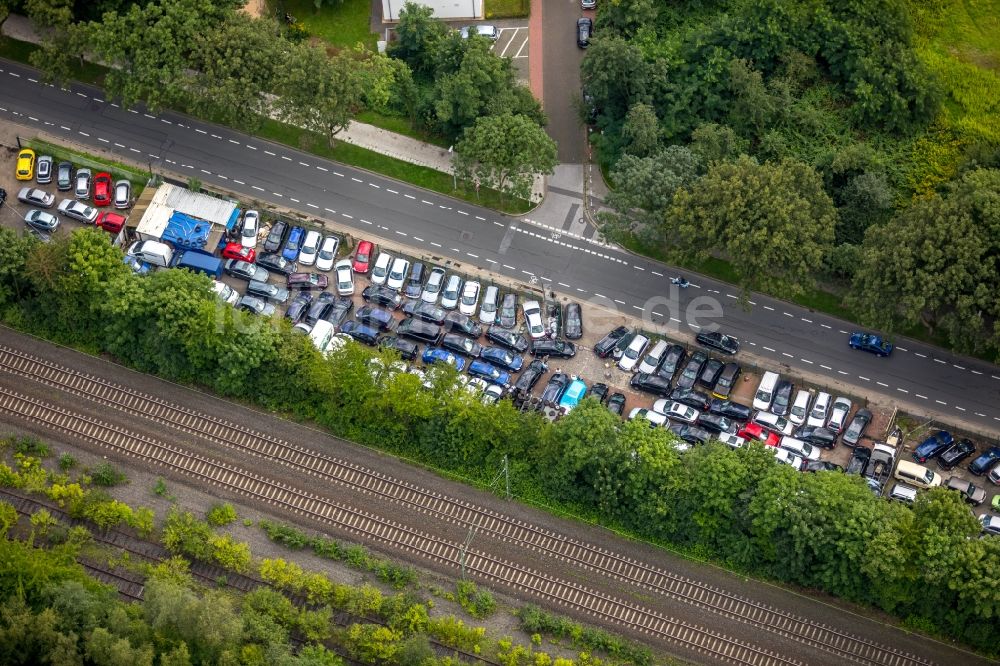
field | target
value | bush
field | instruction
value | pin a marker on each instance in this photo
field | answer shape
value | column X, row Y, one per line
column 66, row 462
column 477, row 603
column 107, row 475
column 31, row 446
column 221, row 515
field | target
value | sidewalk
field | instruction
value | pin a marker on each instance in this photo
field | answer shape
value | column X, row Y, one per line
column 359, row 134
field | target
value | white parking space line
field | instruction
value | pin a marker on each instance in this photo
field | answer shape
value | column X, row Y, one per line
column 509, row 41
column 518, row 54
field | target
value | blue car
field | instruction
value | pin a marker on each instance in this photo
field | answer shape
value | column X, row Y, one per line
column 489, row 372
column 870, row 342
column 435, row 354
column 293, row 244
column 933, row 446
column 573, row 395
column 360, row 332
column 503, row 358
column 985, row 462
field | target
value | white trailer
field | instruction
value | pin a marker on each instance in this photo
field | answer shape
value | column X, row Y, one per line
column 443, row 9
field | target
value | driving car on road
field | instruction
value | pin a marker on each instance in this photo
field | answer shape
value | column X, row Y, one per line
column 871, row 343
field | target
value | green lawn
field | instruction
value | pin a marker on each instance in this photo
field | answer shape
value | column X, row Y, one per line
column 507, row 8
column 340, row 23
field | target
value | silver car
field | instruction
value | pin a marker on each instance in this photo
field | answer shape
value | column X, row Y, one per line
column 43, row 170
column 83, row 178
column 77, row 210
column 841, row 408
column 450, row 293
column 36, row 197
column 41, row 221
column 123, row 194
column 432, row 288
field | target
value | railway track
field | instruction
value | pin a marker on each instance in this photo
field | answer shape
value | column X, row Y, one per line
column 367, row 526
column 486, row 521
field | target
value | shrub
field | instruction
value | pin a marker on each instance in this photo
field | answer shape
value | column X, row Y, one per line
column 477, row 603
column 31, row 446
column 107, row 475
column 66, row 462
column 221, row 515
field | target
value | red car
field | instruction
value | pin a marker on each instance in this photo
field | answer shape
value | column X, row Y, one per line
column 363, row 257
column 110, row 222
column 755, row 431
column 102, row 189
column 238, row 252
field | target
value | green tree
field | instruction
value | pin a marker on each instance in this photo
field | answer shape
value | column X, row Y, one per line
column 626, row 17
column 14, row 251
column 774, row 220
column 616, row 75
column 505, row 152
column 641, row 130
column 418, row 34
column 319, row 92
column 480, row 85
column 372, row 643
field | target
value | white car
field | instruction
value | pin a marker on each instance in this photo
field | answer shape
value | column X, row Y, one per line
column 533, row 317
column 344, row 277
column 838, row 416
column 488, row 309
column 470, row 298
column 251, row 225
column 676, row 411
column 773, row 422
column 800, row 408
column 77, row 210
column 799, row 448
column 225, row 293
column 123, row 194
column 787, row 457
column 652, row 360
column 819, row 412
column 82, row 190
column 450, row 293
column 432, row 288
column 654, row 418
column 731, row 440
column 630, row 357
column 327, row 253
column 380, row 271
column 310, row 248
column 397, row 273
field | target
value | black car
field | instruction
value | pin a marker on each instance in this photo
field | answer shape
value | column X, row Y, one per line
column 573, row 322
column 689, row 375
column 407, row 350
column 424, row 311
column 643, row 381
column 716, row 423
column 509, row 339
column 956, row 453
column 616, row 403
column 691, row 434
column 299, row 307
column 320, row 307
column 246, row 271
column 856, row 428
column 727, row 380
column 456, row 321
column 360, row 332
column 530, row 376
column 584, row 31
column 693, row 398
column 821, row 466
column 415, row 283
column 710, row 373
column 339, row 312
column 599, row 391
column 508, row 310
column 672, row 359
column 3, row 196
column 606, row 346
column 733, row 410
column 556, row 348
column 859, row 460
column 459, row 344
column 276, row 236
column 277, row 263
column 382, row 295
column 782, row 397
column 726, row 344
column 375, row 317
column 554, row 388
column 817, row 436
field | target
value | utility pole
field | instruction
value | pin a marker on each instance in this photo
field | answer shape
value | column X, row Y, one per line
column 503, row 473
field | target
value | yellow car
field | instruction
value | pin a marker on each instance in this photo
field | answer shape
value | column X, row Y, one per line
column 26, row 164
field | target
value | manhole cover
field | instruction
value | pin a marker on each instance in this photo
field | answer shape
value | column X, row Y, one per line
column 466, row 235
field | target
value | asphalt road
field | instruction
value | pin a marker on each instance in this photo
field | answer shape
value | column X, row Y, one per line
column 561, row 65
column 919, row 378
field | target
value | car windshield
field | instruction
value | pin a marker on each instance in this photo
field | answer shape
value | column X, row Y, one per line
column 929, row 476
column 469, row 298
column 396, row 275
column 796, row 411
column 451, row 294
column 379, row 271
column 325, row 255
column 293, row 243
column 632, row 353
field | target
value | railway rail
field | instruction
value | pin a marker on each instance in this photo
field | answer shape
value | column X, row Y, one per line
column 147, row 450
column 350, row 475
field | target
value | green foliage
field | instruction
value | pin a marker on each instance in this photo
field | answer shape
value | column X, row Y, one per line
column 221, row 515
column 66, row 462
column 505, row 152
column 8, row 517
column 107, row 475
column 478, row 603
column 160, row 489
column 536, row 621
column 31, row 446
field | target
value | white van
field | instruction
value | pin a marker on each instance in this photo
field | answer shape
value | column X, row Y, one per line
column 918, row 475
column 321, row 334
column 903, row 493
column 765, row 391
column 152, row 252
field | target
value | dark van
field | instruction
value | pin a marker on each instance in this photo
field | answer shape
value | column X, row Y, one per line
column 419, row 330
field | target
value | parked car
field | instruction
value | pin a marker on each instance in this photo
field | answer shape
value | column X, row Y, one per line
column 984, row 462
column 841, row 408
column 933, row 446
column 616, row 403
column 726, row 344
column 424, row 311
column 800, row 407
column 733, row 410
column 802, row 449
column 36, row 197
column 758, row 433
column 25, row 169
column 276, row 236
column 461, row 345
column 821, row 466
column 788, row 458
column 655, row 418
column 773, row 422
column 77, row 210
column 871, row 343
column 782, row 397
column 991, row 524
column 956, row 453
column 268, row 291
column 123, row 194
column 456, row 321
column 573, row 321
column 343, row 275
column 530, row 376
column 64, row 176
column 817, row 436
column 648, row 383
column 606, row 346
column 502, row 358
column 398, row 270
column 110, row 221
column 554, row 388
column 244, row 270
column 407, row 350
column 43, row 170
column 339, row 312
column 434, row 355
column 277, row 264
column 672, row 360
column 630, row 358
column 307, row 281
column 415, row 283
column 238, row 251
column 451, row 292
column 375, row 317
column 255, row 305
column 382, row 295
column 469, row 298
column 584, row 30
column 363, row 334
column 970, row 492
column 493, row 393
column 83, row 180
column 309, row 251
column 363, row 257
column 710, row 373
column 856, row 428
column 820, row 411
column 41, row 221
column 293, row 243
column 327, row 253
column 102, row 189
column 380, row 270
column 573, row 394
column 299, row 307
column 490, row 32
column 654, row 357
column 433, row 286
column 533, row 319
column 690, row 433
column 508, row 339
column 508, row 310
column 554, row 348
column 489, row 305
column 676, row 411
column 251, row 227
column 599, row 391
column 716, row 423
column 731, row 440
column 689, row 375
column 696, row 399
column 320, row 307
